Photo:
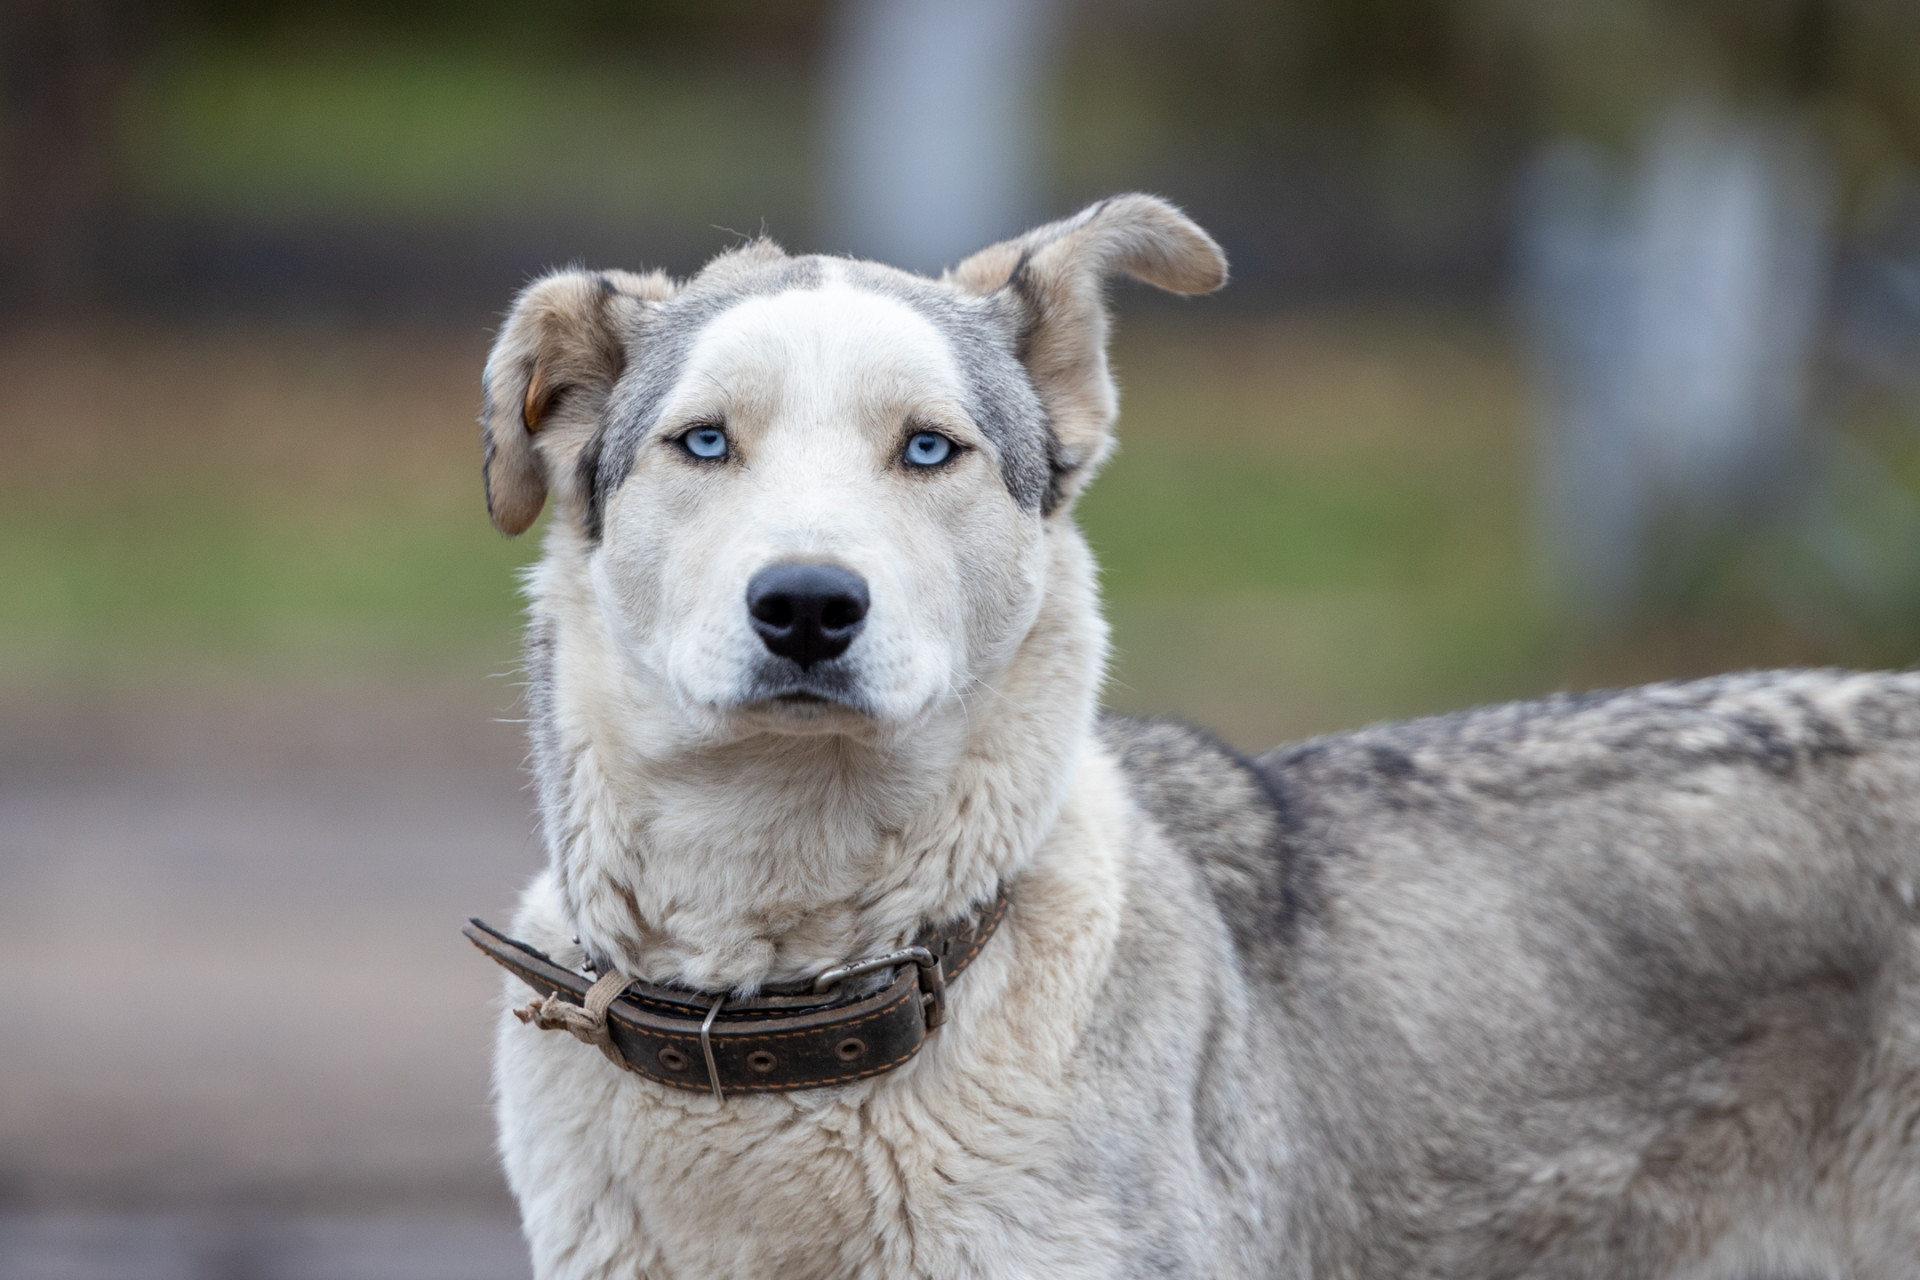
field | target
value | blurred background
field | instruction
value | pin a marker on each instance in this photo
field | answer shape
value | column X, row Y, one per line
column 1569, row 344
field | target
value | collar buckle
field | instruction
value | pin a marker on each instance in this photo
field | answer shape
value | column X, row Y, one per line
column 933, row 981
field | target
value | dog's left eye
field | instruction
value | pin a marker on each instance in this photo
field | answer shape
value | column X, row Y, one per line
column 705, row 442
column 929, row 449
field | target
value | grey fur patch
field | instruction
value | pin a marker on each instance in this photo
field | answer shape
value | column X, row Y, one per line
column 1572, row 744
column 1587, row 800
column 1223, row 813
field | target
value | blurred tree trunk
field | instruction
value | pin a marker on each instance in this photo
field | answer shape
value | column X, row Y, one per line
column 934, row 119
column 1675, row 312
column 63, row 64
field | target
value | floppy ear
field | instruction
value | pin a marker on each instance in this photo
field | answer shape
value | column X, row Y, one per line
column 1057, row 274
column 553, row 366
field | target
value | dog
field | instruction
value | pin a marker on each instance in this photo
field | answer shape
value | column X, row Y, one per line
column 1615, row 985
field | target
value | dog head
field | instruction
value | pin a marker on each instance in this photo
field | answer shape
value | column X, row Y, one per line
column 814, row 494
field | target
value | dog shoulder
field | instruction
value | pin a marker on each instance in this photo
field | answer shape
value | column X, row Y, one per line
column 1197, row 788
column 1220, row 811
column 1745, row 832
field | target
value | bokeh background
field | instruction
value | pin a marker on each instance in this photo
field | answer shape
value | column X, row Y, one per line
column 1570, row 344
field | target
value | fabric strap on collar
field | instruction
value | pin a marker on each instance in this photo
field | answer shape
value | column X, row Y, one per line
column 786, row 1039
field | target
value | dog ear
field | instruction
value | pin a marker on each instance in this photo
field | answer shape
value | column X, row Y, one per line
column 553, row 366
column 1058, row 273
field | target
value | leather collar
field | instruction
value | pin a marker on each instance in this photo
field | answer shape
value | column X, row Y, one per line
column 794, row 1036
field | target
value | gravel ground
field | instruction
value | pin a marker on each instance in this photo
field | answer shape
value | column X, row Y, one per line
column 176, row 1246
column 244, row 1035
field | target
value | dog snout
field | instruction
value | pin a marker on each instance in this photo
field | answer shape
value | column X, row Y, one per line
column 807, row 612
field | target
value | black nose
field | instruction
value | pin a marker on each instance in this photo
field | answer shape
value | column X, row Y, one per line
column 807, row 612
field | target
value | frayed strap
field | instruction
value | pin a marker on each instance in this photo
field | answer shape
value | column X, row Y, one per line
column 587, row 1021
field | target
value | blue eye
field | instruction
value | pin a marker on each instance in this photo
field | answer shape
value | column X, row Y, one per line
column 705, row 442
column 929, row 449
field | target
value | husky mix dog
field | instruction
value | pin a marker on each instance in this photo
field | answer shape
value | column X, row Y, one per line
column 1613, row 985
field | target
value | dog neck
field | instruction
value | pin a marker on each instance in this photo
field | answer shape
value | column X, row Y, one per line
column 774, row 857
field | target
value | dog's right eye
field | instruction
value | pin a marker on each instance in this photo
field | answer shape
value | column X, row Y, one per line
column 707, row 443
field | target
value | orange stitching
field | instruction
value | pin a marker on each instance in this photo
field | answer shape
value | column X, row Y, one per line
column 875, row 1070
column 637, row 1029
column 548, row 988
column 881, row 1012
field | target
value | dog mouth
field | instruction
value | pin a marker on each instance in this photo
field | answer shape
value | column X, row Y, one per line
column 786, row 690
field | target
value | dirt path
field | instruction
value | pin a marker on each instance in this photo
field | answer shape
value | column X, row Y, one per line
column 241, row 1017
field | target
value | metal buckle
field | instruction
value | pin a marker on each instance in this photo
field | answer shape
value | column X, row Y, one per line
column 933, row 982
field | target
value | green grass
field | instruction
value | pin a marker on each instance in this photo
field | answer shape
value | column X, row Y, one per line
column 239, row 498
column 357, row 132
column 208, row 573
column 1310, row 523
column 1318, row 521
